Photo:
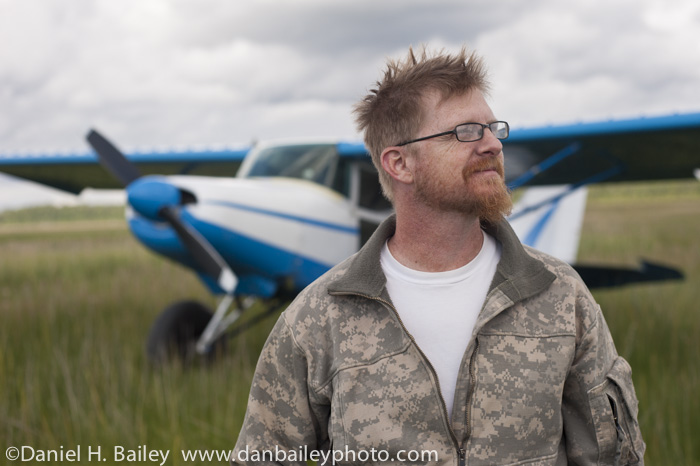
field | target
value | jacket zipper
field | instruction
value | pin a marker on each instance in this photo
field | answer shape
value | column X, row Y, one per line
column 472, row 386
column 461, row 452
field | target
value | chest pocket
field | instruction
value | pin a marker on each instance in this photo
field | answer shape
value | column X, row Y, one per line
column 516, row 407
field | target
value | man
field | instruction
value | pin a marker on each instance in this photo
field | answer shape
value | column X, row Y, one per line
column 443, row 334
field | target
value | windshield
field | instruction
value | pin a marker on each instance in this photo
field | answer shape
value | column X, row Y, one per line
column 312, row 162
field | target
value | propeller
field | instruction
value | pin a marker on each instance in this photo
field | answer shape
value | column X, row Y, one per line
column 112, row 159
column 208, row 258
column 204, row 254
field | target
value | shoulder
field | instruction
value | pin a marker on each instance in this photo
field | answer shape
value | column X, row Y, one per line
column 311, row 304
column 339, row 329
column 320, row 319
column 568, row 290
column 562, row 270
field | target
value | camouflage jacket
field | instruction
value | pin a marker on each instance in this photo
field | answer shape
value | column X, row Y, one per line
column 540, row 383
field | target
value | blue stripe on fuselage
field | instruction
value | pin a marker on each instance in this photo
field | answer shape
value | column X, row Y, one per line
column 245, row 255
column 272, row 213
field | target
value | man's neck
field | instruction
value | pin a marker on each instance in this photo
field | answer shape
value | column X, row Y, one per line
column 435, row 241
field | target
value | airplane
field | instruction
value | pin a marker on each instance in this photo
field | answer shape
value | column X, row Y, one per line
column 262, row 222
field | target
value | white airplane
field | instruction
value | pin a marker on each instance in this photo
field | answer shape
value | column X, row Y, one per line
column 294, row 210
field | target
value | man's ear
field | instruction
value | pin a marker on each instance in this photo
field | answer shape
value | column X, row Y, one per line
column 395, row 162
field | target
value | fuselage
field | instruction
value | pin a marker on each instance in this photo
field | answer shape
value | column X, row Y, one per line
column 277, row 232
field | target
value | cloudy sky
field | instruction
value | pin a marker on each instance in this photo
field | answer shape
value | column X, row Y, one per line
column 183, row 72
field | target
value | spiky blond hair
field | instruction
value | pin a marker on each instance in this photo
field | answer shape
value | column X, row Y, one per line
column 393, row 111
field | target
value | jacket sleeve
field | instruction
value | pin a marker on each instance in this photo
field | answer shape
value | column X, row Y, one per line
column 599, row 404
column 281, row 420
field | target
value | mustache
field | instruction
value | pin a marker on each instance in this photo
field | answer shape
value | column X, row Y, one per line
column 482, row 165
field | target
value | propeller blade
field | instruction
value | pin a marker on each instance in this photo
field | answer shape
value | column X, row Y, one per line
column 204, row 254
column 112, row 159
column 202, row 251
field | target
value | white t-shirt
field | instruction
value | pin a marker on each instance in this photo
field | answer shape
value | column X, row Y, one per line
column 439, row 309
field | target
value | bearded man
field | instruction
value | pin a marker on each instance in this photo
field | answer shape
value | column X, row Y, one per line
column 443, row 334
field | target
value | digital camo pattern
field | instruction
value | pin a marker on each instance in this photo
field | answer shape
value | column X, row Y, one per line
column 392, row 405
column 369, row 387
column 540, row 383
column 516, row 410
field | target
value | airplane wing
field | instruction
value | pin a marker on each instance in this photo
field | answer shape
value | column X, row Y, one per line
column 74, row 171
column 665, row 147
column 638, row 149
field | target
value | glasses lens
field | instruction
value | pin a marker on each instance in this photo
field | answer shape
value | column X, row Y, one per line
column 499, row 129
column 469, row 132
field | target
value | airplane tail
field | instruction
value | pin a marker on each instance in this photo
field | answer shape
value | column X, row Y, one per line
column 549, row 218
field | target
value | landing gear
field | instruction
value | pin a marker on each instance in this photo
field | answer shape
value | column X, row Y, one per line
column 175, row 333
column 189, row 332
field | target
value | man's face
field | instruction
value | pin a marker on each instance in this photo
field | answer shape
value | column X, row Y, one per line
column 464, row 177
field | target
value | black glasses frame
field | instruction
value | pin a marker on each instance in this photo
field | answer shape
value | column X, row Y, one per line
column 454, row 131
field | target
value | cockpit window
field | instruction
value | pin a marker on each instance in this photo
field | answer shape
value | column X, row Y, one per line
column 312, row 162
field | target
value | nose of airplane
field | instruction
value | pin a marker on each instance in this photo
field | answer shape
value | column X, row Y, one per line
column 148, row 195
column 156, row 199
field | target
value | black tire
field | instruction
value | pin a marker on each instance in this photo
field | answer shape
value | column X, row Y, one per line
column 175, row 332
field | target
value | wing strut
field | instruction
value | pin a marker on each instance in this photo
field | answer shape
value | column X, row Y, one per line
column 546, row 164
column 602, row 176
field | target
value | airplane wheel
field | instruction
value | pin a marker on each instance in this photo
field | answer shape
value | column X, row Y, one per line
column 174, row 335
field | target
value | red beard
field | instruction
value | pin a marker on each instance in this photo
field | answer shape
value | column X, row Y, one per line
column 482, row 195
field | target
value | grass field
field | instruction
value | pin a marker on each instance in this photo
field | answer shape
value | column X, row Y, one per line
column 78, row 295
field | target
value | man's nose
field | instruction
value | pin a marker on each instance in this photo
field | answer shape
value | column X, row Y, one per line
column 489, row 144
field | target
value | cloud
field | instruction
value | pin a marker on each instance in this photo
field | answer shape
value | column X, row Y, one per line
column 213, row 71
column 596, row 60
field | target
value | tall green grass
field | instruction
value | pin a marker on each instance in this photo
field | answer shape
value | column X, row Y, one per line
column 77, row 298
column 76, row 308
column 656, row 326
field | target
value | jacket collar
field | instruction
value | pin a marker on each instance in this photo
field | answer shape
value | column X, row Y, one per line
column 518, row 275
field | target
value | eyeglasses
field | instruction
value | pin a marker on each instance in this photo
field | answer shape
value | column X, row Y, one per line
column 470, row 132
